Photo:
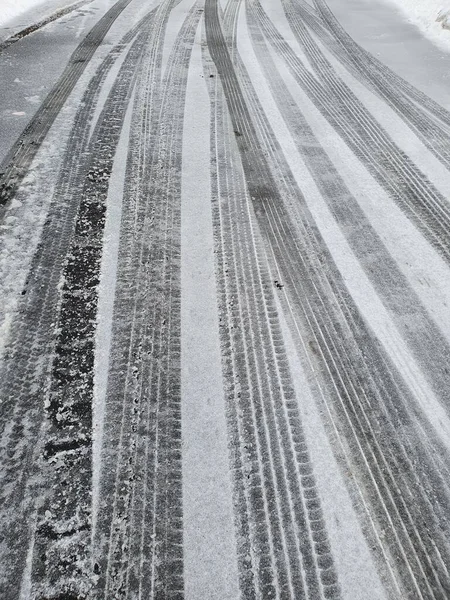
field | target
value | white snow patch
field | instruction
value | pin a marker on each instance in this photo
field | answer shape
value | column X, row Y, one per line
column 209, row 545
column 432, row 17
column 10, row 9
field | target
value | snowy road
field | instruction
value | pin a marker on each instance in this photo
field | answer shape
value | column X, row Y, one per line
column 224, row 309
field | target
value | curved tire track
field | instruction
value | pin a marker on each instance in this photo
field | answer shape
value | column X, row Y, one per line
column 272, row 464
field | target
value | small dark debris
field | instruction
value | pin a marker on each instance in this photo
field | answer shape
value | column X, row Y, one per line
column 278, row 284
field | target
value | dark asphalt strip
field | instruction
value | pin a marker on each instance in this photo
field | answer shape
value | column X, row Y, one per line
column 15, row 165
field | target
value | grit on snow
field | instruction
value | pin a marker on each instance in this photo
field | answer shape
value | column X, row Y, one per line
column 224, row 301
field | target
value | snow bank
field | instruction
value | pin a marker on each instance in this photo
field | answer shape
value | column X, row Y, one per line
column 431, row 16
column 10, row 9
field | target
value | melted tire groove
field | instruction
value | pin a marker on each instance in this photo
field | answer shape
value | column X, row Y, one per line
column 275, row 492
column 25, row 366
column 394, row 171
column 139, row 533
column 15, row 165
column 32, row 28
column 401, row 481
column 66, row 568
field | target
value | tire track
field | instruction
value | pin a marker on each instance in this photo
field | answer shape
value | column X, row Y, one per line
column 395, row 172
column 428, row 345
column 66, row 513
column 328, row 318
column 434, row 136
column 267, row 244
column 18, row 160
column 139, row 531
column 275, row 488
column 25, row 369
column 370, row 62
column 413, row 106
column 425, row 441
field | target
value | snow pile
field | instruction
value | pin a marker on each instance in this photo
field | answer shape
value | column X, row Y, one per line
column 10, row 9
column 431, row 16
column 444, row 18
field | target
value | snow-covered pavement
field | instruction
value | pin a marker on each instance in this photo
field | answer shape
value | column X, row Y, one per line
column 224, row 292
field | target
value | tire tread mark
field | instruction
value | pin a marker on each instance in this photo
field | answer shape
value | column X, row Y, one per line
column 139, row 537
column 25, row 366
column 396, row 173
column 271, row 417
column 67, row 505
